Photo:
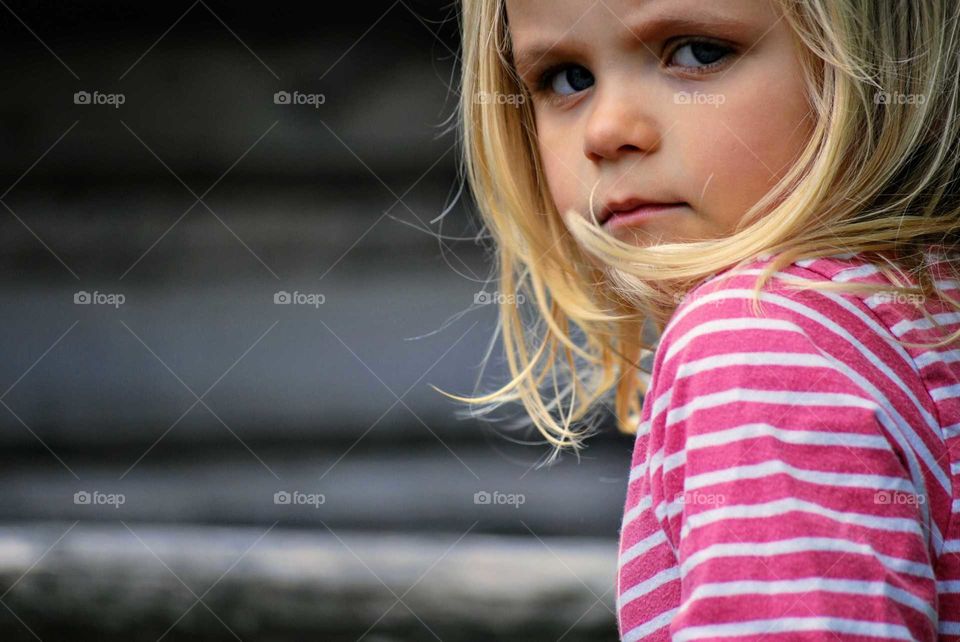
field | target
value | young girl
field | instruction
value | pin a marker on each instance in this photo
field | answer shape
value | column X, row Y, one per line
column 771, row 188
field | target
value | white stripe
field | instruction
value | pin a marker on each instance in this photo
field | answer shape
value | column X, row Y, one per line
column 643, row 428
column 641, row 547
column 791, row 436
column 666, row 511
column 788, row 504
column 951, row 545
column 643, row 630
column 660, row 403
column 937, row 356
column 867, row 269
column 910, row 325
column 945, row 392
column 669, row 509
column 947, row 284
column 813, row 261
column 655, row 460
column 637, row 472
column 807, row 584
column 948, row 586
column 780, row 397
column 787, row 624
column 751, row 431
column 651, row 584
column 644, row 504
column 675, row 460
column 803, row 545
column 729, row 324
column 777, row 467
column 949, row 627
column 949, row 432
column 793, row 359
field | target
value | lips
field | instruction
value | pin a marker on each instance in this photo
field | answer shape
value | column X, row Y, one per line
column 628, row 205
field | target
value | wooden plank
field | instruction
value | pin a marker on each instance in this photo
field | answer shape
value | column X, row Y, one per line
column 282, row 584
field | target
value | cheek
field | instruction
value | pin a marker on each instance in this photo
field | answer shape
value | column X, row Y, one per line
column 750, row 142
column 558, row 165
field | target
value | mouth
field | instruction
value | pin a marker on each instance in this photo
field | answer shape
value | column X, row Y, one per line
column 630, row 211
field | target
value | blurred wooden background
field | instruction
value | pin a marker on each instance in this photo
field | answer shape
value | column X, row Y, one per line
column 149, row 438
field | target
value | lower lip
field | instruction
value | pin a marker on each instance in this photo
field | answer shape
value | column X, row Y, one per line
column 638, row 215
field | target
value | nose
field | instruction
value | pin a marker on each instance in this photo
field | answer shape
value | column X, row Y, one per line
column 617, row 125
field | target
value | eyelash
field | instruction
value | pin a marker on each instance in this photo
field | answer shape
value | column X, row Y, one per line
column 544, row 79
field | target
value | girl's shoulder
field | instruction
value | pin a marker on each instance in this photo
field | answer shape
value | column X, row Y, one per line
column 726, row 315
column 845, row 267
column 725, row 307
column 848, row 268
column 729, row 293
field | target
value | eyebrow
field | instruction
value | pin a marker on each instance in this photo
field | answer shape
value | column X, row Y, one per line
column 643, row 31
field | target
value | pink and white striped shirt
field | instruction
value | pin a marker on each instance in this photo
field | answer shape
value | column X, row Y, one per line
column 796, row 472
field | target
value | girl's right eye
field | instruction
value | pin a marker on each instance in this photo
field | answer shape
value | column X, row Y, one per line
column 565, row 80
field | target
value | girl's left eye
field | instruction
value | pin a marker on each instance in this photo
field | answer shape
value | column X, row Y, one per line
column 699, row 54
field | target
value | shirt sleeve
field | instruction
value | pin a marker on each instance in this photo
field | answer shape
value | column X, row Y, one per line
column 788, row 503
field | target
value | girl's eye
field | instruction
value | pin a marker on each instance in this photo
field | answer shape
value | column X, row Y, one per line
column 566, row 80
column 699, row 54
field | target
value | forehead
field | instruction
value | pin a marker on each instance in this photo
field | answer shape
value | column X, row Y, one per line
column 565, row 10
column 573, row 11
column 539, row 26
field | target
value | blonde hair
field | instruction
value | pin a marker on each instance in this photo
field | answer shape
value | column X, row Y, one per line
column 877, row 176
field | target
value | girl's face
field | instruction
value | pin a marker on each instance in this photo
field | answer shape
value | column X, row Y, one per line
column 700, row 104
